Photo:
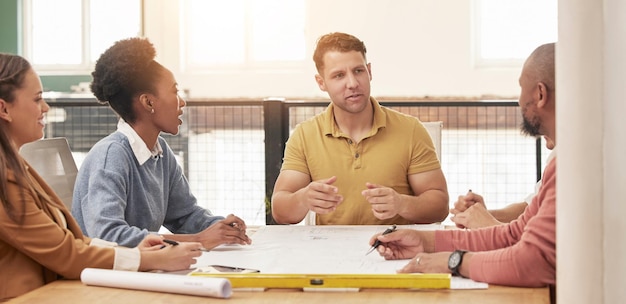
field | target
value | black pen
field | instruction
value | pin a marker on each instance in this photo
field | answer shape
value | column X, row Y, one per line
column 377, row 243
column 171, row 242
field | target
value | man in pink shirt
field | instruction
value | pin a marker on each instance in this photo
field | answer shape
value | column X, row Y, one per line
column 471, row 212
column 520, row 253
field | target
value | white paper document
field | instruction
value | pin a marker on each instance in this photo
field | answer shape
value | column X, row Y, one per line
column 465, row 283
column 281, row 249
column 171, row 283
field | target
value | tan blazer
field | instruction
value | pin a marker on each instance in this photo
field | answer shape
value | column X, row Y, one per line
column 43, row 242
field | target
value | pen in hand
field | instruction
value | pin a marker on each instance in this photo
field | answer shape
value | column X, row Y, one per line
column 171, row 242
column 377, row 243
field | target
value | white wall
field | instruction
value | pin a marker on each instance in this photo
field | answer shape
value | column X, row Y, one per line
column 591, row 68
column 417, row 48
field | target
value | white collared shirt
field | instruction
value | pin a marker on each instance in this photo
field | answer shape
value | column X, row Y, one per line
column 529, row 198
column 141, row 151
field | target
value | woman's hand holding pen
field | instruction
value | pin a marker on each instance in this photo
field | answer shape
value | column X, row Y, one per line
column 155, row 242
column 174, row 256
column 231, row 230
column 151, row 242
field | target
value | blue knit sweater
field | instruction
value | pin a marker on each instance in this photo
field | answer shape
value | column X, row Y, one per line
column 117, row 199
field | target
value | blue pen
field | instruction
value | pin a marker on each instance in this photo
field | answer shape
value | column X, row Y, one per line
column 377, row 243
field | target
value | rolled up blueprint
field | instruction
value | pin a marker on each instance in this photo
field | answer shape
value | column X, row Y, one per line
column 160, row 282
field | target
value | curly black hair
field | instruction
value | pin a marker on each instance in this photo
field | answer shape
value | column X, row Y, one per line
column 123, row 72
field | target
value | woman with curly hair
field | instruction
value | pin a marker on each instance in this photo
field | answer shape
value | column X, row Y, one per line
column 39, row 239
column 130, row 184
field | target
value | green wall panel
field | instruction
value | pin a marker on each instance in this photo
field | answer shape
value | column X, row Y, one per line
column 9, row 26
column 62, row 83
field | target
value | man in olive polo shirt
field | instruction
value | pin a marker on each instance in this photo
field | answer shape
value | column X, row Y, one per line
column 357, row 163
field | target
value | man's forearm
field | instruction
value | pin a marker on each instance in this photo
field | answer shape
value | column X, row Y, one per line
column 286, row 209
column 430, row 207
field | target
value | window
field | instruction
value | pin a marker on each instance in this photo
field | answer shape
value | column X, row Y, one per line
column 506, row 32
column 70, row 35
column 242, row 34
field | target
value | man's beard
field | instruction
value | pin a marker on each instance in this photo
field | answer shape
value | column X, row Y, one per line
column 530, row 128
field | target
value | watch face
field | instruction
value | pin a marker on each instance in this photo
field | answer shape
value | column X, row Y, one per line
column 454, row 260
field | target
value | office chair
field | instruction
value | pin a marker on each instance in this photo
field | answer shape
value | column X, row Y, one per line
column 434, row 130
column 53, row 160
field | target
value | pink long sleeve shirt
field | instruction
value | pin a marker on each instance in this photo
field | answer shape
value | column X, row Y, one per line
column 521, row 253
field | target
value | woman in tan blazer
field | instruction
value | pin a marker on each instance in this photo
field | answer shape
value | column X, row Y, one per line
column 39, row 239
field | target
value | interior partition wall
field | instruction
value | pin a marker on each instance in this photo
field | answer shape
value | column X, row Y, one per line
column 231, row 151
